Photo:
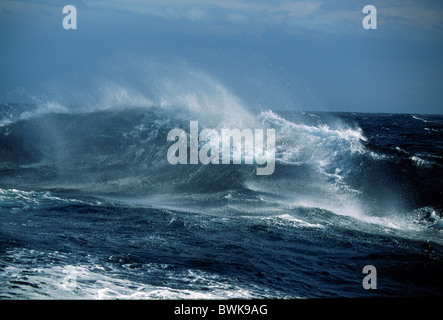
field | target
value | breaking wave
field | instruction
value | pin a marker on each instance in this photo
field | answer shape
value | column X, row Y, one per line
column 117, row 146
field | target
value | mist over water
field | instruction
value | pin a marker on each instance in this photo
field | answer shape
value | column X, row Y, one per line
column 84, row 176
column 112, row 137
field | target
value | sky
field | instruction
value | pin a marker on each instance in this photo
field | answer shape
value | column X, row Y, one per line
column 282, row 54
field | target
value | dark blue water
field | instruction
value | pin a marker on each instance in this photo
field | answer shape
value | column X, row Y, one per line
column 90, row 207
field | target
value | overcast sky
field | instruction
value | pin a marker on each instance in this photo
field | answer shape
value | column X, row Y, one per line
column 300, row 55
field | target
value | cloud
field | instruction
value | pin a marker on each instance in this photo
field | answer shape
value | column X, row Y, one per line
column 413, row 15
column 215, row 10
column 257, row 16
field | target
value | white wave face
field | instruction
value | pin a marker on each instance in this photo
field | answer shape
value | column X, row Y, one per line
column 319, row 146
column 318, row 159
column 94, row 281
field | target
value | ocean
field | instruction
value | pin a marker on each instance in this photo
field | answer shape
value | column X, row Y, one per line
column 90, row 208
